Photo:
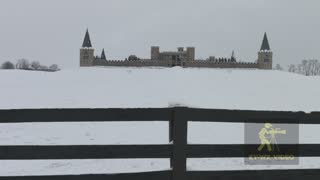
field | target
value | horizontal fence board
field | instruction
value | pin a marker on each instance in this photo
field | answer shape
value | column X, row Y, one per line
column 238, row 150
column 161, row 175
column 299, row 174
column 312, row 118
column 84, row 152
column 241, row 116
column 84, row 115
column 155, row 114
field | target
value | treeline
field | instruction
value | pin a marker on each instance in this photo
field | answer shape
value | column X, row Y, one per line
column 309, row 67
column 25, row 64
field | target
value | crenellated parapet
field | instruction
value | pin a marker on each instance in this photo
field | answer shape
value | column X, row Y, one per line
column 137, row 63
column 217, row 64
column 161, row 63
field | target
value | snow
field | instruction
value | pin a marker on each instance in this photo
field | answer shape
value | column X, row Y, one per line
column 91, row 166
column 116, row 87
column 115, row 166
column 147, row 87
column 84, row 133
column 229, row 164
column 218, row 133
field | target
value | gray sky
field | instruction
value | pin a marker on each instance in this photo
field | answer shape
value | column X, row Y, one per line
column 53, row 31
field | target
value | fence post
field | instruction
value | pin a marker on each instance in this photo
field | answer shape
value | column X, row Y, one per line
column 173, row 111
column 179, row 129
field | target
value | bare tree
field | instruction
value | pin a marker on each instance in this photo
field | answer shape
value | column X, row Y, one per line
column 7, row 65
column 35, row 65
column 310, row 67
column 314, row 67
column 23, row 64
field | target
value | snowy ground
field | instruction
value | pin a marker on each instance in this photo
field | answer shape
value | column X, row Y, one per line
column 143, row 87
column 159, row 87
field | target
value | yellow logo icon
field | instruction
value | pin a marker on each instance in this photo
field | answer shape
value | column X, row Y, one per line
column 268, row 138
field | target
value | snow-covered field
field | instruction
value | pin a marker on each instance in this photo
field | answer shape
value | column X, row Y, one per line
column 147, row 87
column 159, row 87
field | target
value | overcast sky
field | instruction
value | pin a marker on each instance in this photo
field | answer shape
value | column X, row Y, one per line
column 52, row 31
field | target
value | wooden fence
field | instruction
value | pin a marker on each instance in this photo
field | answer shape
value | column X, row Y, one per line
column 178, row 151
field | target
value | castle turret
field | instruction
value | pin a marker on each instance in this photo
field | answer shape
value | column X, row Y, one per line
column 86, row 52
column 103, row 55
column 265, row 54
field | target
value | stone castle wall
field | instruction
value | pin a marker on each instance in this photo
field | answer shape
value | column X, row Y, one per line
column 137, row 63
column 214, row 64
column 162, row 63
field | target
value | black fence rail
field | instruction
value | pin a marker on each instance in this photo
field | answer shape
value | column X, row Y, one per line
column 178, row 152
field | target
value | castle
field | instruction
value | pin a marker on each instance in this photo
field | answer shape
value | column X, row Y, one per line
column 182, row 57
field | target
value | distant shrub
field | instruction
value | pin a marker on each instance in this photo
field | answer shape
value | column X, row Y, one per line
column 54, row 67
column 278, row 67
column 35, row 65
column 7, row 65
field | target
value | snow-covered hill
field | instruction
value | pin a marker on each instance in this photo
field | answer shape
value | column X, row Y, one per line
column 147, row 87
column 159, row 87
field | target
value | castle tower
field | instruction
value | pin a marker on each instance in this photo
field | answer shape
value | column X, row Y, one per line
column 86, row 52
column 191, row 53
column 265, row 54
column 155, row 53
